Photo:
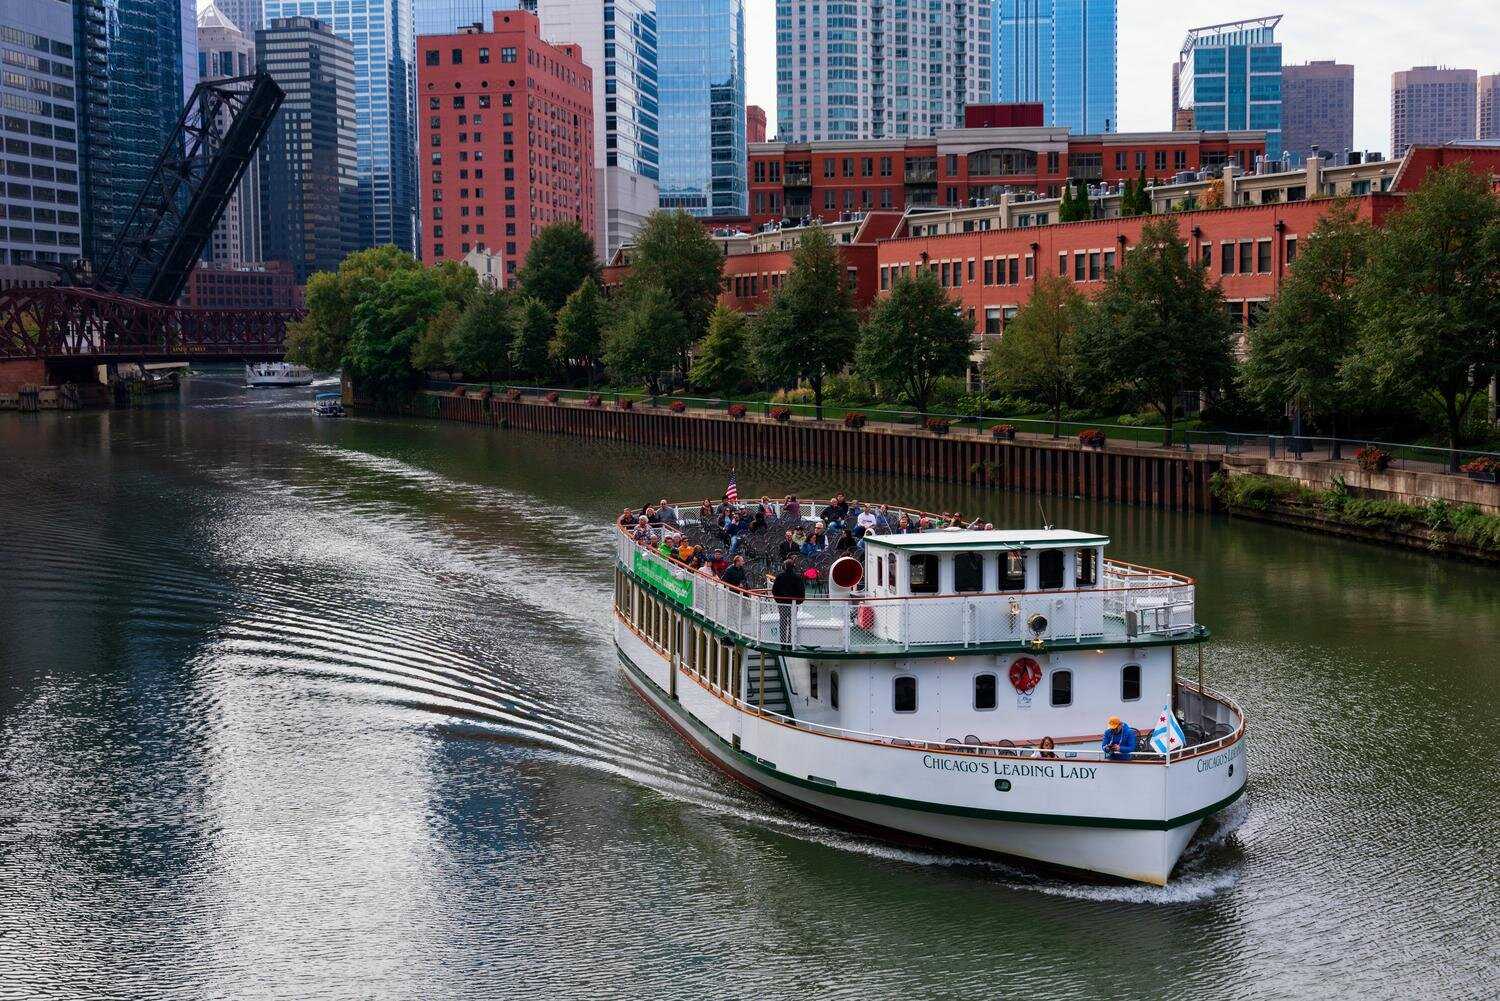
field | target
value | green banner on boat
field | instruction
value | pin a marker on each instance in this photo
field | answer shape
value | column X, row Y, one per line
column 656, row 574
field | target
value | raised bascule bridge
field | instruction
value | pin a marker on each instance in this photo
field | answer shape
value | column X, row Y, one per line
column 124, row 310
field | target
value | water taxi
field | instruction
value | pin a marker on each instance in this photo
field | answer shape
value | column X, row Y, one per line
column 946, row 686
column 277, row 373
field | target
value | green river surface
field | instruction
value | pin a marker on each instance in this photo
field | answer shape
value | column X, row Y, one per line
column 303, row 708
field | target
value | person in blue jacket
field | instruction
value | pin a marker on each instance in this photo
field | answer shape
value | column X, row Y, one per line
column 1119, row 740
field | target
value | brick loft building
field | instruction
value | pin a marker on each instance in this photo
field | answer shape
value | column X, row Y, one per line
column 990, row 256
column 506, row 134
column 957, row 167
column 272, row 285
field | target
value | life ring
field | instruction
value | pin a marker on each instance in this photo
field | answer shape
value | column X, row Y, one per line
column 1025, row 674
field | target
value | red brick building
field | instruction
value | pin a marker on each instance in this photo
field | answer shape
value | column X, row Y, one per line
column 755, row 123
column 1015, row 115
column 271, row 285
column 506, row 138
column 827, row 179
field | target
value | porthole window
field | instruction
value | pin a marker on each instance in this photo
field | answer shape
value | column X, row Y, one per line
column 1062, row 688
column 905, row 694
column 833, row 689
column 1130, row 683
column 986, row 695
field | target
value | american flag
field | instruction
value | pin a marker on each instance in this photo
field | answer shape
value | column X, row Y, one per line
column 732, row 492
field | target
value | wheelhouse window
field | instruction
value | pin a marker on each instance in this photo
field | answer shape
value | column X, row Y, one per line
column 1062, row 688
column 968, row 573
column 833, row 689
column 924, row 573
column 1130, row 683
column 880, row 571
column 1050, row 569
column 986, row 695
column 1013, row 571
column 1088, row 563
column 812, row 683
column 904, row 694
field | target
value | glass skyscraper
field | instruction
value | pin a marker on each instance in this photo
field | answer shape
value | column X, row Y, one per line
column 1060, row 54
column 1230, row 76
column 138, row 61
column 701, row 67
column 382, row 32
column 444, row 17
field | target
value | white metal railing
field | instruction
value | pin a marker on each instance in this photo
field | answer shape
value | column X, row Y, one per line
column 1130, row 602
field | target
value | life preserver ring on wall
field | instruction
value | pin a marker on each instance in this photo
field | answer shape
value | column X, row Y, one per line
column 1025, row 674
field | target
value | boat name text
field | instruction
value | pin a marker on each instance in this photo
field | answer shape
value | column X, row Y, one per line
column 1015, row 769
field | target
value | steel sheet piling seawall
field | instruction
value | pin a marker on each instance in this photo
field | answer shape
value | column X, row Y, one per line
column 1176, row 482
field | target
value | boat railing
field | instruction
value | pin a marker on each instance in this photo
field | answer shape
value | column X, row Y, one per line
column 1128, row 603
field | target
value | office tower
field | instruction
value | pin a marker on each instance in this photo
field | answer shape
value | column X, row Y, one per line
column 1229, row 75
column 385, row 103
column 246, row 15
column 1489, row 107
column 40, row 203
column 755, row 123
column 1431, row 104
column 701, row 67
column 1060, row 54
column 137, row 62
column 507, row 139
column 226, row 51
column 443, row 17
column 856, row 69
column 309, row 163
column 627, row 152
column 1317, row 108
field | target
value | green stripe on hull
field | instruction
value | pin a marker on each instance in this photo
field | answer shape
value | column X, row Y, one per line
column 1059, row 820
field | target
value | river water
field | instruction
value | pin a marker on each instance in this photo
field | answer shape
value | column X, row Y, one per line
column 327, row 709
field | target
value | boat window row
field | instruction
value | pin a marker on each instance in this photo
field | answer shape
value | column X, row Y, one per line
column 655, row 620
column 968, row 571
column 718, row 663
column 987, row 689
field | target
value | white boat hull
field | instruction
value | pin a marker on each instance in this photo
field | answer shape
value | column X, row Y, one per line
column 1125, row 820
column 279, row 374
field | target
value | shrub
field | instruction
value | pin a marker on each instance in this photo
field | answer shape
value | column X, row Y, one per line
column 677, row 406
column 848, row 391
column 1091, row 438
column 625, row 403
column 552, row 397
column 937, row 425
column 736, row 410
column 593, row 400
column 854, row 419
column 781, row 414
column 1372, row 459
column 798, row 395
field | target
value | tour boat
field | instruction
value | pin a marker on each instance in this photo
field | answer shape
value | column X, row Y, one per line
column 911, row 694
column 328, row 405
column 277, row 373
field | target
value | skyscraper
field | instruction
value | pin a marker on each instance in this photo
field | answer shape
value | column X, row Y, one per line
column 246, row 15
column 385, row 102
column 137, row 64
column 856, row 69
column 1060, row 54
column 701, row 66
column 309, row 195
column 41, row 202
column 443, row 17
column 1317, row 108
column 618, row 40
column 1432, row 105
column 226, row 51
column 1489, row 107
column 1230, row 76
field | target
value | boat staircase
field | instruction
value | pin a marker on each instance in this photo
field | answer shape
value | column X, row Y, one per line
column 766, row 684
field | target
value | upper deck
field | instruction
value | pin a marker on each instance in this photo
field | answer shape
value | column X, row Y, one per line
column 940, row 591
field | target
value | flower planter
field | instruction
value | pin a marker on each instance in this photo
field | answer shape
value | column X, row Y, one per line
column 854, row 421
column 552, row 397
column 1372, row 459
column 737, row 411
column 1003, row 432
column 678, row 407
column 781, row 414
column 1092, row 438
column 625, row 404
column 1484, row 476
column 937, row 425
column 594, row 401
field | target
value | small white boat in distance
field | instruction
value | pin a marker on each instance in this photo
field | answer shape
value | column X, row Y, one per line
column 947, row 686
column 277, row 373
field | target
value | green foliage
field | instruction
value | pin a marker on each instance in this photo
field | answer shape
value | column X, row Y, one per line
column 1159, row 326
column 721, row 362
column 641, row 346
column 560, row 259
column 810, row 329
column 387, row 325
column 674, row 253
column 849, row 390
column 1429, row 299
column 799, row 395
column 1038, row 358
column 914, row 337
column 532, row 334
column 479, row 345
column 321, row 339
column 1075, row 204
column 1298, row 354
column 1136, row 200
column 434, row 350
column 579, row 339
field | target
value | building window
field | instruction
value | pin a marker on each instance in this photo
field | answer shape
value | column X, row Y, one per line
column 989, row 271
column 1160, row 159
column 1120, row 160
column 1088, row 560
column 970, row 278
column 1062, row 264
column 812, row 683
column 1062, row 688
column 924, row 573
column 1093, row 265
column 484, row 55
column 992, row 321
column 507, row 55
column 458, row 57
column 1291, row 249
column 1130, row 683
column 1013, row 575
column 1206, row 255
column 1080, row 264
column 986, row 693
column 1226, row 258
column 431, row 57
column 1247, row 250
column 1263, row 257
column 1052, row 162
column 904, row 694
column 1109, row 263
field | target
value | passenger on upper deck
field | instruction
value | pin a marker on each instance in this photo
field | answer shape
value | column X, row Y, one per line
column 734, row 576
column 1118, row 742
column 789, row 589
column 668, row 516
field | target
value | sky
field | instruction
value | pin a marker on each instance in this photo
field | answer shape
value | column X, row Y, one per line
column 1378, row 38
